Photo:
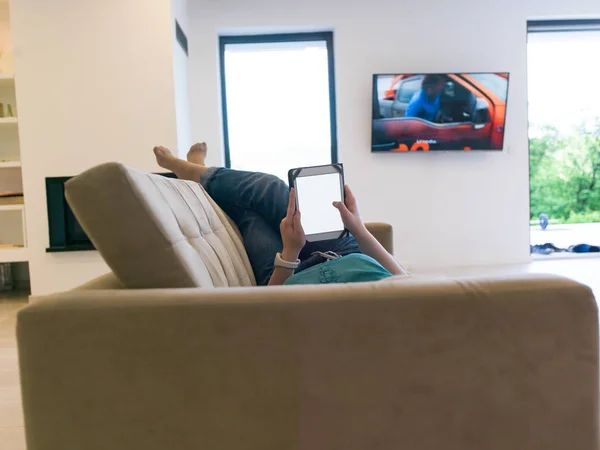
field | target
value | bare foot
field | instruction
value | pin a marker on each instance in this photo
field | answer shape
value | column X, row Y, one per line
column 197, row 153
column 165, row 158
column 184, row 170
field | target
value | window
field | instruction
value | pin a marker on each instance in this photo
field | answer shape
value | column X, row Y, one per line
column 408, row 88
column 278, row 101
column 498, row 85
column 481, row 116
column 564, row 133
column 458, row 104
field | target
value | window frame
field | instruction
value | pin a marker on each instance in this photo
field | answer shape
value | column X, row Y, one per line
column 562, row 25
column 326, row 36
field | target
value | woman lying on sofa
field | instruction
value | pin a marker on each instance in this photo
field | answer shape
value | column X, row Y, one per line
column 265, row 212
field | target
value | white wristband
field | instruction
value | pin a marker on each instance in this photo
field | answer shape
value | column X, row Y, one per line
column 285, row 264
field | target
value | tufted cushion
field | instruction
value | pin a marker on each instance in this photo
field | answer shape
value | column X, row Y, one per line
column 158, row 232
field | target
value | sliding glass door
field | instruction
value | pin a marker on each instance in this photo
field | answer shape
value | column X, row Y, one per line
column 564, row 131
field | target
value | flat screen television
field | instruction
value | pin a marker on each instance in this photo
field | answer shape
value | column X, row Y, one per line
column 439, row 111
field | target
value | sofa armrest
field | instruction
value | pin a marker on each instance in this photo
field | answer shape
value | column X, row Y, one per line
column 459, row 364
column 384, row 233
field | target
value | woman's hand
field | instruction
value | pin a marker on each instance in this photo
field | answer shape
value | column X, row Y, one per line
column 366, row 241
column 292, row 232
column 350, row 213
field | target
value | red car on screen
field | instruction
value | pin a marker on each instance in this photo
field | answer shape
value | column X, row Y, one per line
column 471, row 113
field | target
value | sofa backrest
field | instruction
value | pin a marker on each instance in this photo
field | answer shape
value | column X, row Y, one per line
column 158, row 232
column 466, row 364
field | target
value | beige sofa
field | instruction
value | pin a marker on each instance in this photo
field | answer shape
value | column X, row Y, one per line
column 407, row 363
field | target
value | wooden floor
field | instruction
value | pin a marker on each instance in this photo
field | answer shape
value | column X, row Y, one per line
column 12, row 435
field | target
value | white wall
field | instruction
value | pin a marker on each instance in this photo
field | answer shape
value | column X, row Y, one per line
column 94, row 84
column 6, row 47
column 448, row 209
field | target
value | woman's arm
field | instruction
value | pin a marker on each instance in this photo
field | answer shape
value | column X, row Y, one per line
column 292, row 235
column 281, row 274
column 366, row 241
column 414, row 106
column 371, row 247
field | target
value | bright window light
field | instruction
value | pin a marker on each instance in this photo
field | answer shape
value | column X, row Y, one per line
column 277, row 105
column 563, row 85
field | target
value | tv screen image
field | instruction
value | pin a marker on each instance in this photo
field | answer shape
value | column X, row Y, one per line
column 439, row 111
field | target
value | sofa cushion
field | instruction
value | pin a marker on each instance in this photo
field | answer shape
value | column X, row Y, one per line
column 158, row 232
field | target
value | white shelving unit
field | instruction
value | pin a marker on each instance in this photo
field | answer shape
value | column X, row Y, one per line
column 10, row 164
column 8, row 121
column 13, row 233
column 12, row 207
column 13, row 239
column 13, row 255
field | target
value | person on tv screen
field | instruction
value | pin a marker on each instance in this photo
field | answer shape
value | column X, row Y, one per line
column 425, row 103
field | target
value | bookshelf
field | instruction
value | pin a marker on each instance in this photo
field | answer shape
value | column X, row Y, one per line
column 13, row 233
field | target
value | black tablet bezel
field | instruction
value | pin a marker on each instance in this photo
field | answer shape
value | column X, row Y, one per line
column 294, row 174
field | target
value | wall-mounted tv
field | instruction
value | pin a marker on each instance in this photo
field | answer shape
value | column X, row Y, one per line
column 439, row 111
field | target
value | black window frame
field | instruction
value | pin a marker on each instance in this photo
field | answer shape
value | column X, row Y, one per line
column 326, row 36
column 562, row 25
column 553, row 26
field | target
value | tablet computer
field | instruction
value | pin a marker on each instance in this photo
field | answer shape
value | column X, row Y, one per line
column 317, row 188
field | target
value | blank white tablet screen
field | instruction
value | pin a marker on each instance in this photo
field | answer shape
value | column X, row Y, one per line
column 315, row 196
